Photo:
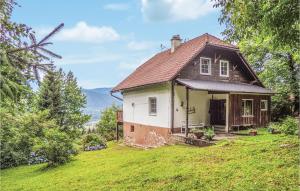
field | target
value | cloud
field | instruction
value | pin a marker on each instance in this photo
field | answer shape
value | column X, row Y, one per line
column 175, row 10
column 82, row 32
column 142, row 45
column 116, row 6
column 133, row 64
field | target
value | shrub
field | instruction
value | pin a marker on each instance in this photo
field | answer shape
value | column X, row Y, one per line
column 56, row 146
column 289, row 126
column 106, row 127
column 209, row 134
column 17, row 134
column 93, row 141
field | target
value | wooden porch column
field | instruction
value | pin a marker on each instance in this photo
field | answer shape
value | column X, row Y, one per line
column 187, row 112
column 172, row 107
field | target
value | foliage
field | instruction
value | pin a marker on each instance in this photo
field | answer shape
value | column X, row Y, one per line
column 74, row 100
column 17, row 135
column 267, row 34
column 93, row 140
column 265, row 162
column 50, row 95
column 21, row 55
column 209, row 133
column 289, row 126
column 106, row 127
column 56, row 146
column 29, row 120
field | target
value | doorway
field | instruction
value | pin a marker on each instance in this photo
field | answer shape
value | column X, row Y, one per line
column 217, row 110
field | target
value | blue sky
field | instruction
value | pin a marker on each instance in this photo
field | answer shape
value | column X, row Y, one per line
column 104, row 41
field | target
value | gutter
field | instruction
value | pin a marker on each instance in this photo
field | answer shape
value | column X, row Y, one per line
column 118, row 98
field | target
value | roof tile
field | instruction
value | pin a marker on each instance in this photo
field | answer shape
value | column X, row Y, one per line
column 165, row 65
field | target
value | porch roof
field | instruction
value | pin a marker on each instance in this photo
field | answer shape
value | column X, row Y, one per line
column 223, row 86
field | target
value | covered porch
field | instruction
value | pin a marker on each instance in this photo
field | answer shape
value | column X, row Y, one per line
column 198, row 108
column 200, row 104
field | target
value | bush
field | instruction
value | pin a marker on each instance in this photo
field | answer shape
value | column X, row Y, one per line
column 17, row 134
column 93, row 141
column 56, row 146
column 106, row 127
column 289, row 126
column 209, row 134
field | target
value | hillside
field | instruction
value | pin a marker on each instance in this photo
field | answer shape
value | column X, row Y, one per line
column 264, row 162
column 97, row 100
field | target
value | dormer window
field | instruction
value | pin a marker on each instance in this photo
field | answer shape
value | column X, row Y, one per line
column 224, row 68
column 205, row 66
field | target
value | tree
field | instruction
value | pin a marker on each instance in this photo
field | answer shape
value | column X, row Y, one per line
column 107, row 123
column 74, row 100
column 50, row 95
column 267, row 33
column 21, row 55
column 56, row 146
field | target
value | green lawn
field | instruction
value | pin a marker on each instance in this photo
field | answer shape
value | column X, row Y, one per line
column 264, row 162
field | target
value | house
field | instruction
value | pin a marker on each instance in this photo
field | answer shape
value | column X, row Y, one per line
column 202, row 82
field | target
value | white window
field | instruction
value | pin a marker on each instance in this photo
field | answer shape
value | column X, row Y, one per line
column 263, row 105
column 205, row 66
column 247, row 107
column 152, row 106
column 224, row 68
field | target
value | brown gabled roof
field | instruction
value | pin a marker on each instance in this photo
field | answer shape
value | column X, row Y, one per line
column 165, row 65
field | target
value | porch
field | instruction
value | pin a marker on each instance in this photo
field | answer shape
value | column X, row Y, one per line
column 199, row 109
column 222, row 105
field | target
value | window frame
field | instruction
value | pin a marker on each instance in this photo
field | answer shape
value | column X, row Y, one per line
column 243, row 110
column 220, row 71
column 209, row 66
column 150, row 106
column 266, row 105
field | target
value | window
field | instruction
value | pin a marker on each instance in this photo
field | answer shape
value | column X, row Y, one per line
column 224, row 68
column 131, row 128
column 247, row 107
column 205, row 66
column 152, row 106
column 264, row 105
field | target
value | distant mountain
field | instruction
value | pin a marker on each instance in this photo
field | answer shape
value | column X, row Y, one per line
column 97, row 100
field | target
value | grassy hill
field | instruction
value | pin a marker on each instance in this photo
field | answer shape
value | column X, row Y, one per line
column 264, row 162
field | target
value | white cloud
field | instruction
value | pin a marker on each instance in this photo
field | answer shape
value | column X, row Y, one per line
column 116, row 6
column 82, row 32
column 142, row 45
column 175, row 10
column 133, row 64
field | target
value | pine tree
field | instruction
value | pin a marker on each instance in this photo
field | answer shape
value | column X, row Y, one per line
column 50, row 95
column 74, row 100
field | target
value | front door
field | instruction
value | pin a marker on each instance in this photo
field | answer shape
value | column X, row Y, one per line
column 217, row 112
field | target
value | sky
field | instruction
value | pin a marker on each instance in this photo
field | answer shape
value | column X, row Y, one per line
column 103, row 41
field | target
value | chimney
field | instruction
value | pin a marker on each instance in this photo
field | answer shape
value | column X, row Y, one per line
column 175, row 42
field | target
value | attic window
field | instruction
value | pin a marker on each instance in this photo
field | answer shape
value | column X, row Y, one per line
column 205, row 66
column 224, row 68
column 152, row 106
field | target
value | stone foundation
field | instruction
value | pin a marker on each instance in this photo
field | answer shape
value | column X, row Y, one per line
column 145, row 135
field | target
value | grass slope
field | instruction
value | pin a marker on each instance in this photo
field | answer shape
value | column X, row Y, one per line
column 264, row 162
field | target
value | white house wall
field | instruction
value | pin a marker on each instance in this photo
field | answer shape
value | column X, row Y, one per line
column 197, row 99
column 136, row 108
